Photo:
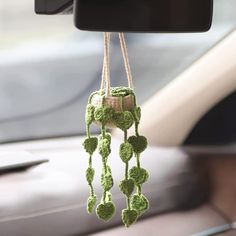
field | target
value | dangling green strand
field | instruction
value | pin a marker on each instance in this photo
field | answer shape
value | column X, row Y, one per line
column 124, row 120
column 106, row 209
column 139, row 143
column 90, row 145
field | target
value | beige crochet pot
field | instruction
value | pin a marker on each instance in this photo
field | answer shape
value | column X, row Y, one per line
column 118, row 104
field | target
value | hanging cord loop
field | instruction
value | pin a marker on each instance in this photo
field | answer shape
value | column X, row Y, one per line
column 106, row 84
column 126, row 59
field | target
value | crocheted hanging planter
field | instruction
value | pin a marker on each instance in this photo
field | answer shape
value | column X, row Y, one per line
column 108, row 108
column 121, row 100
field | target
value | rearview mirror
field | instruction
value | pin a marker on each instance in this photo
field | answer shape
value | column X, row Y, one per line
column 134, row 15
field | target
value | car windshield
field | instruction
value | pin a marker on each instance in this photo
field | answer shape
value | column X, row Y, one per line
column 48, row 68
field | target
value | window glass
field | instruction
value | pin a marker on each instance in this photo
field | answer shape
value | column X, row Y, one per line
column 48, row 68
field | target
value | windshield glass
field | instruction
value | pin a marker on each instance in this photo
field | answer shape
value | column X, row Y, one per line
column 48, row 68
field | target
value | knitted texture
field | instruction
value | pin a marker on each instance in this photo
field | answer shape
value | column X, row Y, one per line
column 126, row 151
column 107, row 137
column 103, row 114
column 106, row 181
column 137, row 114
column 139, row 203
column 134, row 178
column 104, row 147
column 91, row 203
column 139, row 143
column 90, row 145
column 127, row 186
column 129, row 217
column 123, row 120
column 89, row 117
column 90, row 175
column 139, row 175
column 105, row 211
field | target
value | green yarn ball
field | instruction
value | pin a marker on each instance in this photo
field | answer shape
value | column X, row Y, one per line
column 90, row 175
column 123, row 120
column 127, row 186
column 139, row 143
column 137, row 114
column 129, row 217
column 89, row 117
column 107, row 181
column 103, row 114
column 91, row 203
column 104, row 147
column 90, row 145
column 126, row 152
column 139, row 175
column 139, row 203
column 105, row 211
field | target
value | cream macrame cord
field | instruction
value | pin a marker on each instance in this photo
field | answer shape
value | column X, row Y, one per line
column 106, row 84
column 126, row 59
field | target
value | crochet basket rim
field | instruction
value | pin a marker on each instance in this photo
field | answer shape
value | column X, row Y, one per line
column 118, row 104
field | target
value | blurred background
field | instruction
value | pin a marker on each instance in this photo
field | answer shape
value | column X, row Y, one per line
column 48, row 68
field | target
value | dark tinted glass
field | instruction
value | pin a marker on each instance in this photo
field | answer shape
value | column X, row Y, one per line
column 51, row 7
column 144, row 15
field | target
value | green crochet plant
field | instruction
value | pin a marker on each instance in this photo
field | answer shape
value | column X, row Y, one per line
column 134, row 178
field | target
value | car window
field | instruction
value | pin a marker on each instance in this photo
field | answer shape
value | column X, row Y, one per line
column 48, row 68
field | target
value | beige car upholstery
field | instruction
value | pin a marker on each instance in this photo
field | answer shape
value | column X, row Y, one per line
column 50, row 199
column 180, row 105
column 184, row 223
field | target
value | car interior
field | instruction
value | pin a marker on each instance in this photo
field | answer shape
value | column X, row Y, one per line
column 183, row 58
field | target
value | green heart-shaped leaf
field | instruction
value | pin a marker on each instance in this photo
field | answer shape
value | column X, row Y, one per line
column 107, row 136
column 127, row 186
column 139, row 175
column 128, row 119
column 139, row 143
column 90, row 145
column 137, row 114
column 105, row 211
column 103, row 114
column 108, row 197
column 89, row 117
column 90, row 174
column 123, row 120
column 139, row 203
column 107, row 181
column 104, row 147
column 91, row 203
column 129, row 217
column 126, row 152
